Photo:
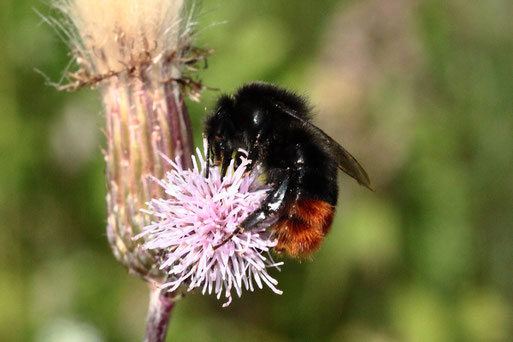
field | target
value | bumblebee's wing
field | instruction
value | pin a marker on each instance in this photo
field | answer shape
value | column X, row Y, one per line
column 346, row 162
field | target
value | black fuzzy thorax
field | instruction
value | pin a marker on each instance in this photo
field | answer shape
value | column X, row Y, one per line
column 300, row 161
column 289, row 146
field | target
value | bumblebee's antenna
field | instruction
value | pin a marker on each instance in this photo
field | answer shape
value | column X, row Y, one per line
column 209, row 156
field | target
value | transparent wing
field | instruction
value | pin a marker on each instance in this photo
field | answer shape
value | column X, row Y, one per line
column 346, row 162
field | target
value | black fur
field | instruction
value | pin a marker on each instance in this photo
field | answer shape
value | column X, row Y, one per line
column 258, row 119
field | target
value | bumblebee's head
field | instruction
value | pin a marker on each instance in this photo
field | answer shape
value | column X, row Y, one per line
column 220, row 133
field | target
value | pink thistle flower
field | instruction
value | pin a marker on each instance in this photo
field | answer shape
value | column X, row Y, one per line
column 197, row 215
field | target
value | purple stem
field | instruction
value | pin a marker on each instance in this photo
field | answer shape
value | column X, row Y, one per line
column 159, row 313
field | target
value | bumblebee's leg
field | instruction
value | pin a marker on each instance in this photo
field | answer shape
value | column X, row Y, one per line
column 269, row 208
column 268, row 211
column 210, row 155
column 252, row 156
column 227, row 157
column 260, row 138
column 238, row 159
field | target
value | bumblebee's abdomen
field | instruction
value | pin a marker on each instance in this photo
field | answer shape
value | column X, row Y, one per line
column 302, row 226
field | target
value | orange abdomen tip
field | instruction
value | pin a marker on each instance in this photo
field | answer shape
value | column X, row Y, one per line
column 302, row 226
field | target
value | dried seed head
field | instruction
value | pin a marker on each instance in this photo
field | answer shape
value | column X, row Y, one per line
column 113, row 35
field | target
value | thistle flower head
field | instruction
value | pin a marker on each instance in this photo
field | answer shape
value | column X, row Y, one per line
column 197, row 215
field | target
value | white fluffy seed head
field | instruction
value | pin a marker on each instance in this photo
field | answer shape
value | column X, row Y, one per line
column 111, row 35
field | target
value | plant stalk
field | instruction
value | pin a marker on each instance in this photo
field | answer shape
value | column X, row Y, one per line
column 159, row 313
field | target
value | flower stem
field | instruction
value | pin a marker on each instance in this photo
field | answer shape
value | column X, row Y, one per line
column 159, row 313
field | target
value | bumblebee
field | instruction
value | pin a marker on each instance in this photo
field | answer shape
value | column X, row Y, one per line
column 300, row 162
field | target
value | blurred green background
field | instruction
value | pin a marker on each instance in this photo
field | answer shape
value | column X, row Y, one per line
column 420, row 91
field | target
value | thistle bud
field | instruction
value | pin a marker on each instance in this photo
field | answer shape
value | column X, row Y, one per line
column 135, row 53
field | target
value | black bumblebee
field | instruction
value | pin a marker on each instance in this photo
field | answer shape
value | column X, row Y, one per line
column 300, row 162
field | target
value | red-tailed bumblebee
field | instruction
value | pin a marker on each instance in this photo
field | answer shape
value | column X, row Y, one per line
column 300, row 162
